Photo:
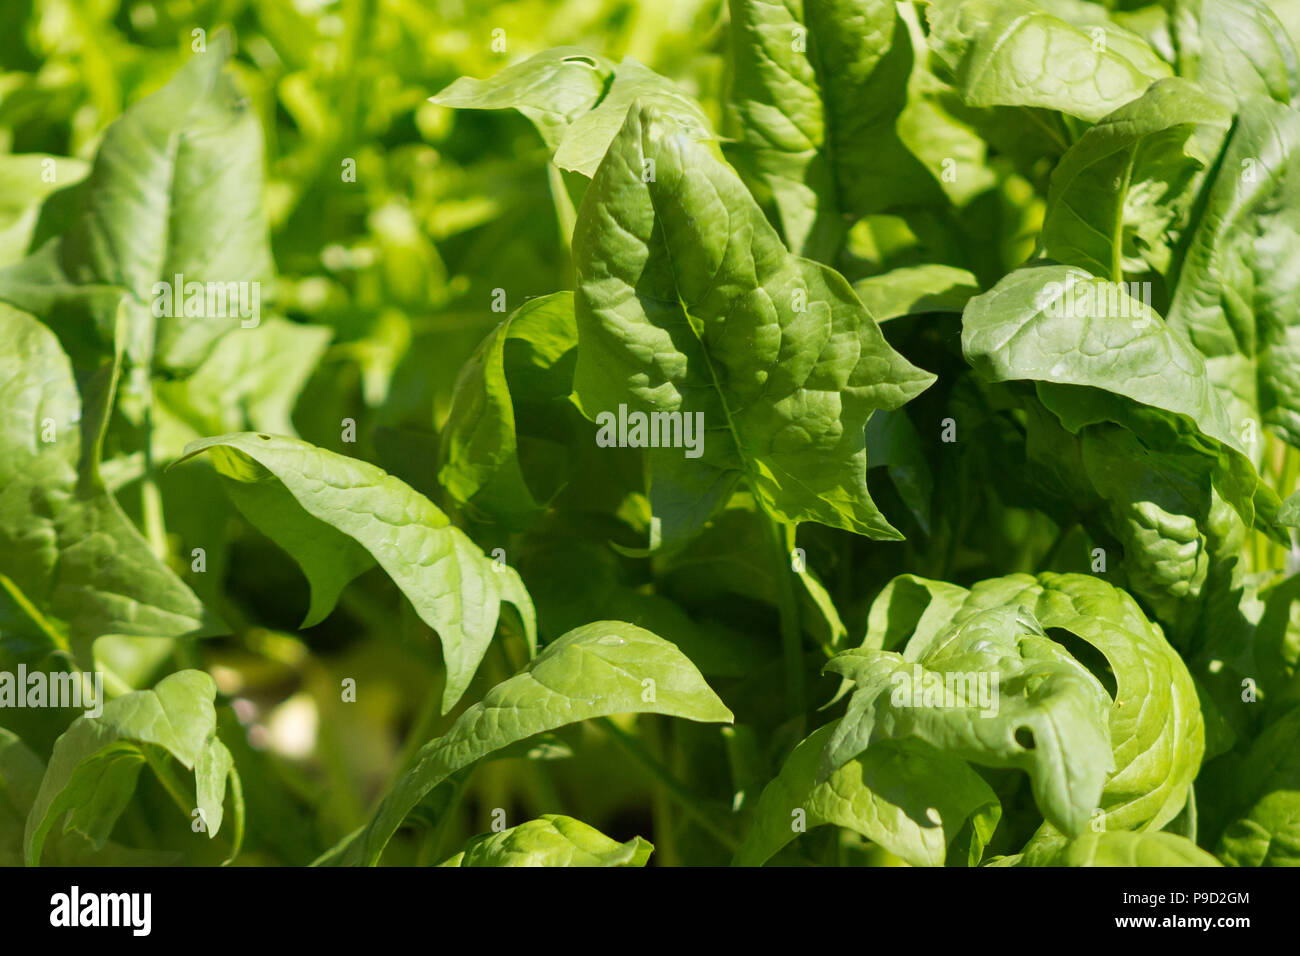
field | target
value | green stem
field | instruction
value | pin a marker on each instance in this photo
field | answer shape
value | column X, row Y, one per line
column 687, row 799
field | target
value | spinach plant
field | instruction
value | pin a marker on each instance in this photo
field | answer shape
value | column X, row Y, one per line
column 912, row 413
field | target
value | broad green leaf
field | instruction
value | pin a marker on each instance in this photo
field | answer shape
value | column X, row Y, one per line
column 911, row 801
column 21, row 772
column 575, row 581
column 551, row 840
column 69, row 558
column 1093, row 350
column 453, row 586
column 993, row 689
column 596, row 670
column 1235, row 49
column 1261, row 819
column 480, row 450
column 688, row 305
column 328, row 556
column 1235, row 296
column 1060, row 325
column 1114, row 193
column 577, row 101
column 1129, row 32
column 1155, row 727
column 817, row 93
column 93, row 770
column 1016, row 53
column 175, row 190
column 1123, row 848
column 912, row 290
column 552, row 89
column 1156, row 731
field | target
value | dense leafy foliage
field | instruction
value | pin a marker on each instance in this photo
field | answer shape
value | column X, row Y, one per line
column 850, row 433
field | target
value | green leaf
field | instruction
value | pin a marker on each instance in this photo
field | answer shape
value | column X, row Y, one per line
column 20, row 779
column 577, row 101
column 248, row 381
column 1122, row 848
column 992, row 689
column 1060, row 327
column 480, row 448
column 894, row 443
column 69, row 557
column 25, row 181
column 1015, row 53
column 553, row 89
column 1289, row 513
column 1261, row 825
column 1155, row 728
column 596, row 670
column 1114, row 193
column 92, row 772
column 346, row 503
column 912, row 607
column 716, row 649
column 817, row 94
column 1235, row 296
column 687, row 303
column 1157, row 506
column 1235, row 50
column 913, row 802
column 551, row 840
column 21, row 772
column 913, row 290
column 175, row 189
column 1156, row 731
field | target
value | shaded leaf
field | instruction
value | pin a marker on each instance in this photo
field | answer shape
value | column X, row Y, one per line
column 348, row 505
column 913, row 802
column 92, row 772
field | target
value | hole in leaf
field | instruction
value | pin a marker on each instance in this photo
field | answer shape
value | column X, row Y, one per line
column 264, row 437
column 579, row 58
column 1025, row 737
column 1087, row 655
